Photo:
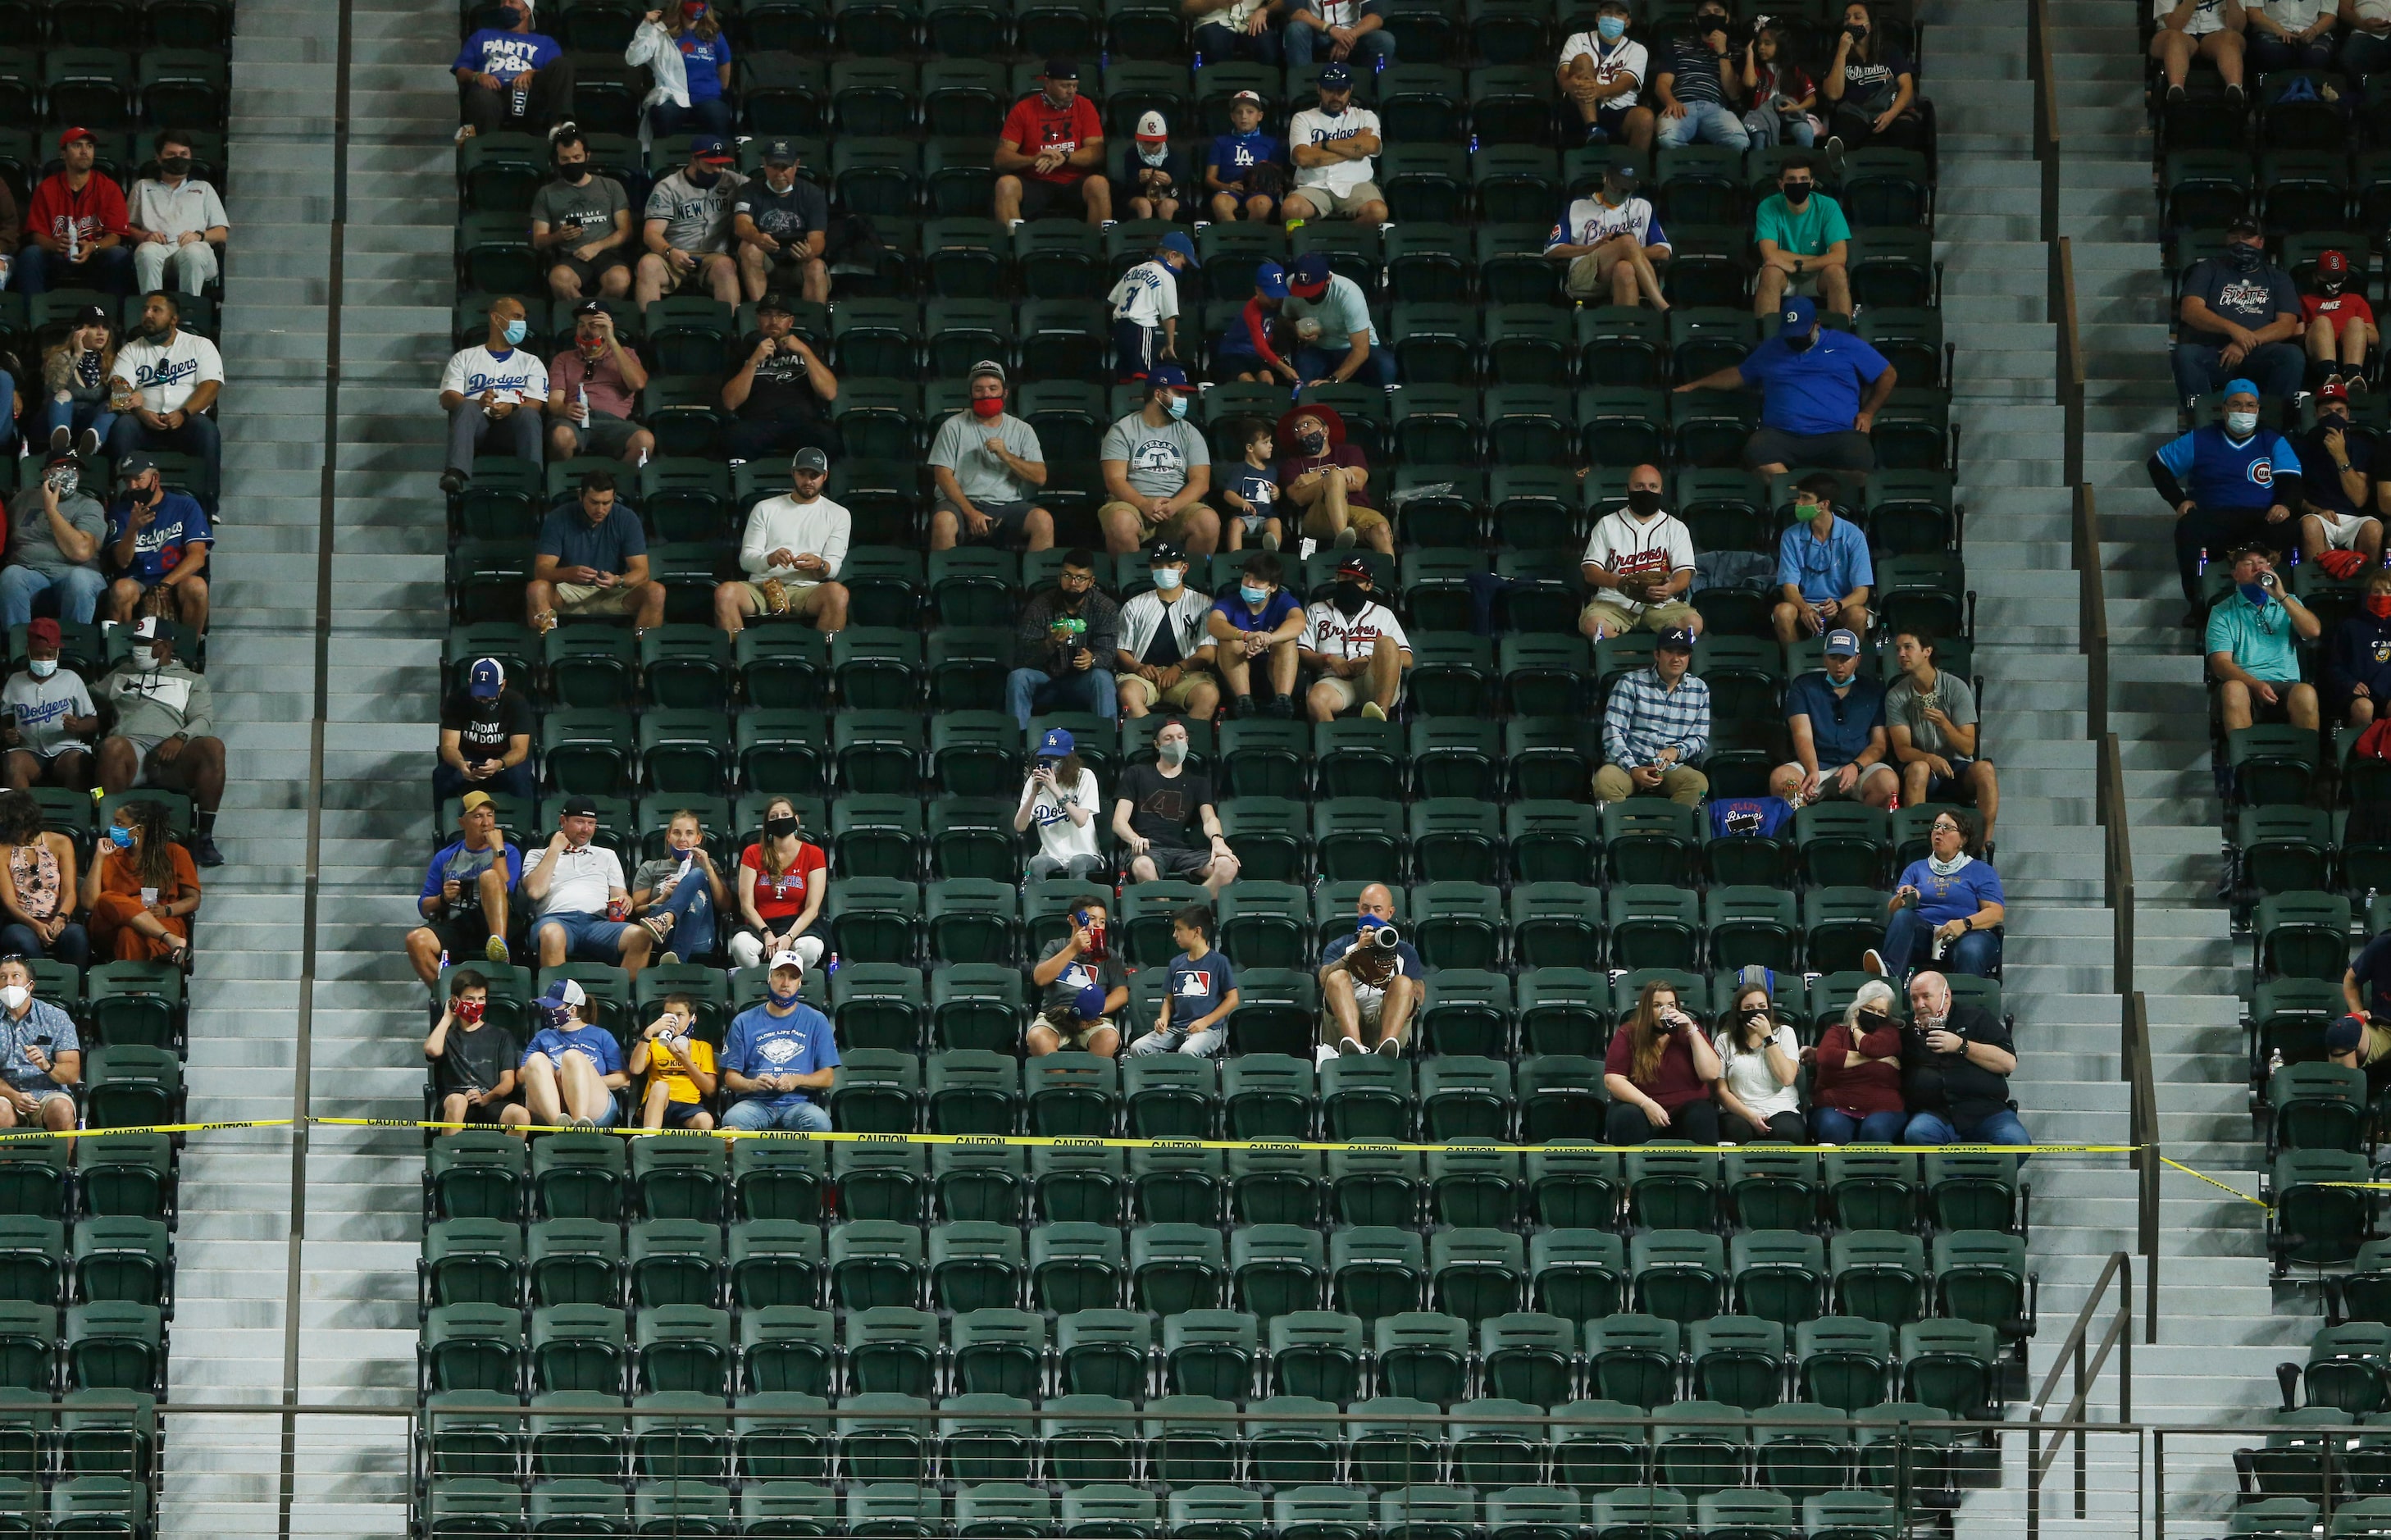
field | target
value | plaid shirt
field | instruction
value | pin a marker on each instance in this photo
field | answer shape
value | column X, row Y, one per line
column 1646, row 717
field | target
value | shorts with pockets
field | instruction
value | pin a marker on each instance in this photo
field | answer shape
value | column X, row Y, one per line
column 1341, row 205
column 581, row 600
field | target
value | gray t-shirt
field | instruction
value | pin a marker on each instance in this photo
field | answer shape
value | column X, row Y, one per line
column 1159, row 457
column 1061, row 996
column 696, row 219
column 30, row 543
column 652, row 873
column 961, row 447
column 591, row 206
column 1904, row 706
column 788, row 217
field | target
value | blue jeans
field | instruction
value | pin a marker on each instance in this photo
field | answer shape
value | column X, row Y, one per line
column 75, row 416
column 756, row 1115
column 1768, row 126
column 1302, row 42
column 78, row 592
column 2277, row 369
column 1934, row 1128
column 447, row 782
column 1710, row 122
column 1830, row 1127
column 1320, row 363
column 692, row 907
column 1221, row 45
column 198, row 436
column 711, row 116
column 1908, row 940
column 109, row 269
column 73, row 946
column 1029, row 690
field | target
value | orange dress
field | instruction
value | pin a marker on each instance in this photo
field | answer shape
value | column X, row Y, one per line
column 120, row 899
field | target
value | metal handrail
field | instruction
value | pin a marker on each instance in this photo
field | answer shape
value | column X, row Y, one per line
column 2119, row 1338
column 2143, row 1119
column 2091, row 614
column 2070, row 383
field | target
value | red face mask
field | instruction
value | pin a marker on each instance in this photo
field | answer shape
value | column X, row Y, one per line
column 988, row 406
column 2379, row 605
column 469, row 1010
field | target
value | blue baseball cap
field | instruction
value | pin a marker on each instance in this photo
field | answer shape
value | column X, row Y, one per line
column 1088, row 1004
column 1176, row 241
column 1842, row 644
column 1801, row 315
column 563, row 996
column 1677, row 638
column 1336, row 77
column 1270, row 280
column 487, row 678
column 2344, row 1034
column 1308, row 277
column 1056, row 744
column 1168, row 374
column 711, row 149
column 2240, row 387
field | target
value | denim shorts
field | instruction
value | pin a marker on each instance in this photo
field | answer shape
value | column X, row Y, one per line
column 590, row 938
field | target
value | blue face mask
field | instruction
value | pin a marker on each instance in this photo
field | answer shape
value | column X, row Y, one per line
column 1177, row 404
column 516, row 331
column 1252, row 595
column 784, row 1001
column 1166, row 578
column 2254, row 592
column 120, row 836
column 1612, row 28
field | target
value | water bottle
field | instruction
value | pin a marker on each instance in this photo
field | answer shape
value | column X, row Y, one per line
column 581, row 399
column 444, row 959
column 74, row 240
column 832, row 966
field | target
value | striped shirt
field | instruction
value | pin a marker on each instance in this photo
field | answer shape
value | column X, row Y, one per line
column 1646, row 717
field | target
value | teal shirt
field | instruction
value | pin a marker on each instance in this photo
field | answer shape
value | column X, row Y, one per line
column 1809, row 233
column 1341, row 311
column 2259, row 639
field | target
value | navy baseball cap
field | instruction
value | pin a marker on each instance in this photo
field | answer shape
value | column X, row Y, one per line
column 1801, row 315
column 1168, row 374
column 1176, row 241
column 1842, row 644
column 1336, row 77
column 1058, row 742
column 487, row 678
column 1674, row 638
column 780, row 152
column 1270, row 280
column 1062, row 68
column 709, row 150
column 1310, row 278
column 2344, row 1034
column 1088, row 1004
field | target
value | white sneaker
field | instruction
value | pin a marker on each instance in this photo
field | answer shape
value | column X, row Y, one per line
column 1390, row 1048
column 1349, row 1047
column 1373, row 711
column 1872, row 964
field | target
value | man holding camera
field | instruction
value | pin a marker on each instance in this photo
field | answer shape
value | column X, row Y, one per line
column 1084, row 985
column 1372, row 982
column 2253, row 647
column 1067, row 640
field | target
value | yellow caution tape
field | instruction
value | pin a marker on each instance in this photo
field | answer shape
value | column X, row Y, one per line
column 2235, row 1191
column 143, row 1128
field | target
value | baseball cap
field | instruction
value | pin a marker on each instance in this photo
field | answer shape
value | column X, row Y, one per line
column 1842, row 644
column 710, row 149
column 590, row 307
column 2333, row 265
column 1058, row 742
column 562, row 996
column 91, row 315
column 486, row 678
column 1270, row 280
column 578, row 806
column 2240, row 387
column 1061, row 69
column 2333, row 390
column 472, row 800
column 1801, row 315
column 1153, row 129
column 2243, row 225
column 1168, row 374
column 1354, row 569
column 133, row 465
column 146, row 629
column 57, row 457
column 1673, row 638
column 809, row 459
column 1336, row 77
column 70, row 136
column 1308, row 277
column 1176, row 241
column 1623, row 172
column 780, row 152
column 2344, row 1034
column 44, row 630
column 790, row 959
column 1253, row 96
column 989, row 367
column 1088, row 1004
column 776, row 303
column 1163, row 553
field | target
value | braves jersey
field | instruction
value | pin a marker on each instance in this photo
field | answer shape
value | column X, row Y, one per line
column 2215, row 472
column 1590, row 220
column 1327, row 631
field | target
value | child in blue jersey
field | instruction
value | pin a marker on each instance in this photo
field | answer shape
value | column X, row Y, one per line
column 1247, row 170
column 1194, row 1015
column 1145, row 309
column 1250, row 488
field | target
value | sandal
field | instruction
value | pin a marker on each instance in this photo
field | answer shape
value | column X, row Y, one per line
column 658, row 925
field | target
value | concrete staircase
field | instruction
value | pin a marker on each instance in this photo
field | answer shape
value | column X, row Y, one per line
column 352, row 822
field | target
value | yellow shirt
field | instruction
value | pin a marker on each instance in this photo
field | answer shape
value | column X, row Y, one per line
column 678, row 1087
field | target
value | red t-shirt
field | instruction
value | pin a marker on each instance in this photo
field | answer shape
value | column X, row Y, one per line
column 2343, row 306
column 96, row 211
column 1675, row 1086
column 1034, row 126
column 783, row 896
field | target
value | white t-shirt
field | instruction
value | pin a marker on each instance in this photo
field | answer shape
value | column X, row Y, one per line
column 520, row 376
column 1328, row 632
column 42, row 706
column 582, row 880
column 2372, row 10
column 2296, row 16
column 1313, row 127
column 167, row 372
column 1611, row 60
column 818, row 528
column 1622, row 545
column 1750, row 1077
column 1147, row 294
column 1057, row 836
column 2207, row 16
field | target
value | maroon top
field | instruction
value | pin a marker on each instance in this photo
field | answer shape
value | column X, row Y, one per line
column 1343, row 454
column 1675, row 1086
column 1872, row 1087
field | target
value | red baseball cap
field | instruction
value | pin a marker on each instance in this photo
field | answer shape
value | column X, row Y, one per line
column 2332, row 263
column 44, row 631
column 2333, row 391
column 71, row 135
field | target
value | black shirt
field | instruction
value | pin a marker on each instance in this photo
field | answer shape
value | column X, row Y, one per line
column 1870, row 86
column 475, row 1060
column 1163, row 809
column 781, row 391
column 2320, row 477
column 483, row 728
column 1953, row 1083
column 2374, row 970
column 788, row 217
column 1163, row 650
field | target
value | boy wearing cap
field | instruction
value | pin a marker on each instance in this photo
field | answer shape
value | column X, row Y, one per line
column 987, row 466
column 593, row 388
column 782, row 222
column 485, row 737
column 1819, row 389
column 571, row 1067
column 1601, row 71
column 1244, row 351
column 493, row 393
column 158, row 539
column 2243, row 306
column 1657, row 725
column 55, row 530
column 2339, row 324
column 1156, row 468
column 2338, row 528
column 1357, row 647
column 783, row 391
column 463, row 905
column 1084, row 985
column 1329, row 479
column 1165, row 654
column 577, row 886
column 686, row 233
column 1064, row 645
column 1837, row 720
column 1610, row 242
column 1050, row 155
column 1332, row 145
column 777, row 1056
column 50, row 716
column 1245, row 173
column 1155, row 176
column 74, row 226
column 583, row 222
column 791, row 552
column 1145, row 301
column 1337, row 342
column 499, row 67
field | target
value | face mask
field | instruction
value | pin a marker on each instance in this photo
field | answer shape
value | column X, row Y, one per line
column 42, row 667
column 68, row 482
column 1612, row 28
column 1251, row 595
column 2241, row 424
column 14, row 996
column 1802, row 343
column 780, row 828
column 1797, row 194
column 469, row 1010
column 2379, row 605
column 2332, row 286
column 1710, row 21
column 1348, row 600
column 1755, row 1015
column 1171, row 753
column 1872, row 1020
column 1176, row 406
column 988, row 406
column 1154, row 155
column 2254, row 592
column 1166, row 578
column 516, row 331
column 1314, row 443
column 703, row 179
column 175, row 165
column 1856, row 29
column 2245, row 256
column 1644, row 501
column 783, row 997
column 575, row 172
column 120, row 836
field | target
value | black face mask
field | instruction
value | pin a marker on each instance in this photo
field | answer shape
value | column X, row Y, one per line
column 1856, row 30
column 1349, row 599
column 1710, row 21
column 780, row 828
column 1797, row 193
column 1644, row 501
column 2245, row 256
column 1802, row 343
column 1750, row 1017
column 1312, row 443
column 703, row 179
column 175, row 165
column 1871, row 1021
column 575, row 172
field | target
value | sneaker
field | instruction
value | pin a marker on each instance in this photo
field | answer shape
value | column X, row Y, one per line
column 2234, row 96
column 1373, row 712
column 670, row 959
column 464, row 131
column 2173, row 95
column 560, row 130
column 1270, row 541
column 1345, row 538
column 62, row 439
column 583, row 1125
column 1872, row 964
column 1280, row 706
column 452, row 481
column 1349, row 1047
column 495, row 950
column 2332, row 379
column 2353, row 382
column 1389, row 1048
column 1596, row 134
column 88, row 445
column 204, row 848
column 1242, row 708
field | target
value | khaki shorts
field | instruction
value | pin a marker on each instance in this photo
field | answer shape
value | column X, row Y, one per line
column 1073, row 1032
column 1617, row 620
column 1172, row 528
column 803, row 601
column 1175, row 697
column 580, row 600
column 1346, row 204
column 1360, row 519
column 1351, row 693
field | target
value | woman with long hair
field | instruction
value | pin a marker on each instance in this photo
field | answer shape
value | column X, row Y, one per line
column 1870, row 90
column 37, row 885
column 1855, row 1086
column 1659, row 1074
column 143, row 890
column 1758, row 1063
column 781, row 882
column 682, row 46
column 1061, row 798
column 74, row 384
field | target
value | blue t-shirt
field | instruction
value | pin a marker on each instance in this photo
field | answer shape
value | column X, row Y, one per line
column 1407, row 957
column 1197, row 989
column 1828, row 569
column 1235, row 154
column 701, row 61
column 1750, row 817
column 1258, row 487
column 594, row 1043
column 1816, row 390
column 156, row 550
column 466, row 867
column 1955, row 897
column 507, row 55
column 2215, row 472
column 1232, row 607
column 761, row 1044
column 1840, row 720
column 570, row 538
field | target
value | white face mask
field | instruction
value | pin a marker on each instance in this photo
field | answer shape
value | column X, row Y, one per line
column 2241, row 424
column 14, row 996
column 42, row 668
